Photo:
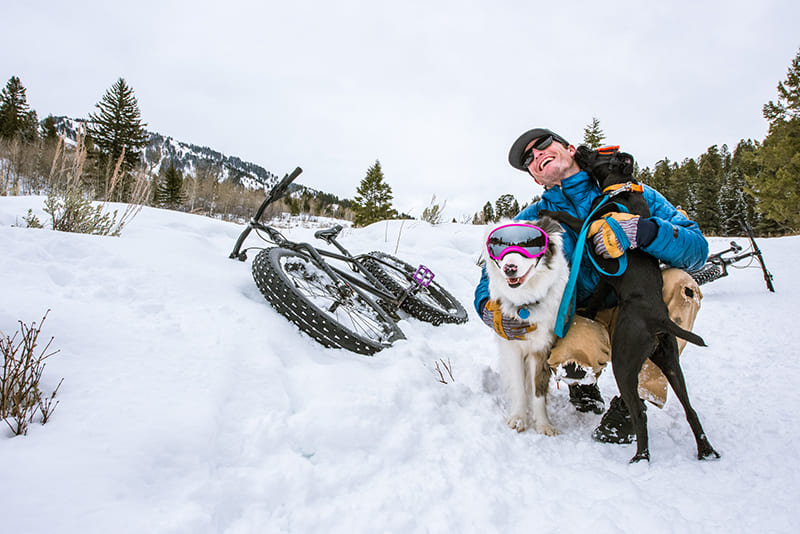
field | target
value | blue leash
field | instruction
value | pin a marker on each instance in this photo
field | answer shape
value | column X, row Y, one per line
column 566, row 309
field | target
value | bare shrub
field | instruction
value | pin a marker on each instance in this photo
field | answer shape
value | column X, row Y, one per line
column 69, row 204
column 434, row 213
column 20, row 395
column 448, row 368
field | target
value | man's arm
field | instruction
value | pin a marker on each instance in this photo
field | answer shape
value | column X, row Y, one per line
column 678, row 241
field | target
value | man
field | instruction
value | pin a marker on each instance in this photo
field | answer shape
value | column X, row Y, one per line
column 584, row 351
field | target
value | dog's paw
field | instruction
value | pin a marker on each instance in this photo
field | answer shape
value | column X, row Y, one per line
column 517, row 422
column 547, row 429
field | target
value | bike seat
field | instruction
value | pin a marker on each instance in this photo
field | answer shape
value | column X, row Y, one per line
column 329, row 233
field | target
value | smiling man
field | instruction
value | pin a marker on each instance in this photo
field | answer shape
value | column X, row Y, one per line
column 668, row 235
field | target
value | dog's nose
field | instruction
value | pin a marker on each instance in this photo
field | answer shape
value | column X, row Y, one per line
column 510, row 269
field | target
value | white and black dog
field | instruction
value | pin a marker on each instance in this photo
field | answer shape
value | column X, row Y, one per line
column 527, row 274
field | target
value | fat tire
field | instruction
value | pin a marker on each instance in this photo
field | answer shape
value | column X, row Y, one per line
column 433, row 304
column 285, row 292
column 707, row 274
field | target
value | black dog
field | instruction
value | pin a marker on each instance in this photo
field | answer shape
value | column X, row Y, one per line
column 643, row 328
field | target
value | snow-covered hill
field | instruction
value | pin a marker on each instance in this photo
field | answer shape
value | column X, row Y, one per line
column 190, row 406
column 163, row 151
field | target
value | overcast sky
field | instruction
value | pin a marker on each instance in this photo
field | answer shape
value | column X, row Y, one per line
column 435, row 90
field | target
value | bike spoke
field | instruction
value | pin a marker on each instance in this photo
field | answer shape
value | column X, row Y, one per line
column 350, row 310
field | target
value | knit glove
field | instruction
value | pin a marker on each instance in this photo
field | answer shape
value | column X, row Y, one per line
column 612, row 238
column 505, row 327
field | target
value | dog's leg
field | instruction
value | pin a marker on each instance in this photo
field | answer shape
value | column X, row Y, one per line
column 629, row 341
column 666, row 357
column 540, row 378
column 518, row 394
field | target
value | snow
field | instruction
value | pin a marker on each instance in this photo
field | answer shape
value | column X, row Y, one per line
column 189, row 406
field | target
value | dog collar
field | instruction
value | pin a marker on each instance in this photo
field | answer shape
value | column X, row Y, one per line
column 616, row 189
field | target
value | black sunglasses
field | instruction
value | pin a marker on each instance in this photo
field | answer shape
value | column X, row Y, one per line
column 540, row 144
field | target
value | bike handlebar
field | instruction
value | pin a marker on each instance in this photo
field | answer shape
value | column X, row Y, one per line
column 275, row 193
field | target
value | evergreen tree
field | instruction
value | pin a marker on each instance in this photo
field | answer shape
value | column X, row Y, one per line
column 788, row 105
column 777, row 179
column 661, row 179
column 170, row 192
column 506, row 206
column 49, row 131
column 488, row 213
column 735, row 203
column 16, row 117
column 706, row 192
column 373, row 201
column 684, row 182
column 116, row 130
column 593, row 136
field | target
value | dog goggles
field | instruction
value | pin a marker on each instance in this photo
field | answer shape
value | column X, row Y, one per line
column 526, row 239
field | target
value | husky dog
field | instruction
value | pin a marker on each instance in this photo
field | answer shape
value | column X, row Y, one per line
column 527, row 274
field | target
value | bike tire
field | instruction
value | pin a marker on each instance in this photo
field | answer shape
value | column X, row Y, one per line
column 432, row 304
column 707, row 273
column 305, row 294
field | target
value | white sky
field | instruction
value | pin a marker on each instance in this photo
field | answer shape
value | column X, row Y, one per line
column 435, row 90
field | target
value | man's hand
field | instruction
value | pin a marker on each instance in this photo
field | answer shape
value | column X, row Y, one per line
column 613, row 237
column 505, row 327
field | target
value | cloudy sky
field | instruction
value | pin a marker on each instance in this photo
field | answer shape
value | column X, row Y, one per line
column 436, row 90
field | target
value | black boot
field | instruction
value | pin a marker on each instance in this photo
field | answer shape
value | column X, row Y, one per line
column 586, row 398
column 616, row 425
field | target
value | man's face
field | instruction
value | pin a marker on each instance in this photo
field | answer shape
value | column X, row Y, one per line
column 552, row 164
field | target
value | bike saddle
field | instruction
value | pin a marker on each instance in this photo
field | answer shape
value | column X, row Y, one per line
column 328, row 234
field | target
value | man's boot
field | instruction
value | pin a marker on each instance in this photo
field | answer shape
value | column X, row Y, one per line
column 586, row 398
column 616, row 425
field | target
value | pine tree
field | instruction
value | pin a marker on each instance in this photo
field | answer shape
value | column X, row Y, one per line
column 593, row 136
column 488, row 213
column 16, row 117
column 506, row 206
column 373, row 201
column 170, row 192
column 49, row 131
column 736, row 204
column 777, row 180
column 117, row 130
column 706, row 192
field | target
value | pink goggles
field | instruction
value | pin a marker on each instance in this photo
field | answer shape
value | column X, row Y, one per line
column 526, row 239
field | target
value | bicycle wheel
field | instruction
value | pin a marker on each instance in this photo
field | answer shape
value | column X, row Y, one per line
column 335, row 316
column 707, row 273
column 432, row 304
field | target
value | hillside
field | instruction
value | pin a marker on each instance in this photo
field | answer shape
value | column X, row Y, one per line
column 190, row 159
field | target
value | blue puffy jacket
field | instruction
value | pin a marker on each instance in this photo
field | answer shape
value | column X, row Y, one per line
column 678, row 243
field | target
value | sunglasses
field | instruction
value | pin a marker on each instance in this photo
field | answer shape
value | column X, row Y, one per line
column 526, row 239
column 540, row 144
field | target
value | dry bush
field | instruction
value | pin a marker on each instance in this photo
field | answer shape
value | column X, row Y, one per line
column 69, row 204
column 20, row 395
column 448, row 368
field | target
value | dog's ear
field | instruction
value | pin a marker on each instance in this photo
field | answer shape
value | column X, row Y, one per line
column 551, row 226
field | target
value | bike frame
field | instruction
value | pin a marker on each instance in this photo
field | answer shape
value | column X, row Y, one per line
column 371, row 285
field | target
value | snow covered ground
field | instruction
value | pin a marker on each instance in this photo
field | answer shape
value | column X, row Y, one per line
column 189, row 406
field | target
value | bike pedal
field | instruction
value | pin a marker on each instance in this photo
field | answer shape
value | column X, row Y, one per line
column 423, row 276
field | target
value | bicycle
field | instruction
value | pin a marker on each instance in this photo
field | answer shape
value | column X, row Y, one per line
column 357, row 310
column 717, row 264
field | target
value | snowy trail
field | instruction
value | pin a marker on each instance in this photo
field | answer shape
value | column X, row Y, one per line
column 190, row 406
